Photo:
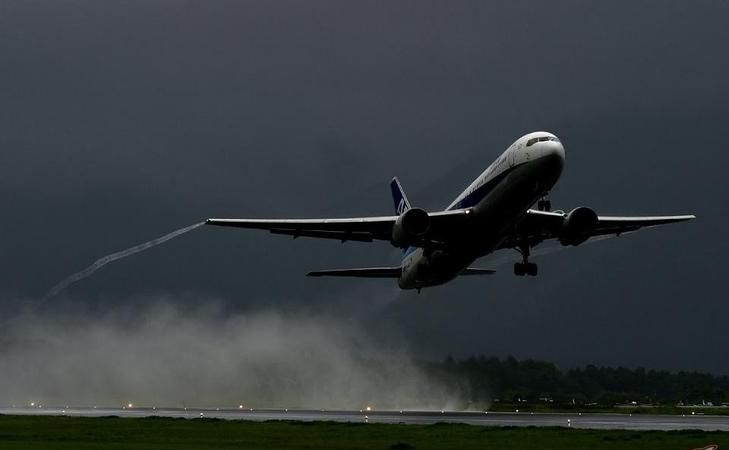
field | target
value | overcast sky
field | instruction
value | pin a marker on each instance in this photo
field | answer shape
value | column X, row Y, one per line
column 122, row 121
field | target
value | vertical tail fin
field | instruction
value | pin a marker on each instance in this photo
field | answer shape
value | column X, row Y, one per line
column 401, row 201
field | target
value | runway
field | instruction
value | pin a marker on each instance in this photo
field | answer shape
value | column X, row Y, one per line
column 642, row 422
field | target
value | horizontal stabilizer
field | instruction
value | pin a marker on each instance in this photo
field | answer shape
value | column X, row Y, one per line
column 477, row 271
column 363, row 272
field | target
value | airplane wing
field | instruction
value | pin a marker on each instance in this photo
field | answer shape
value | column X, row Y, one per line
column 443, row 226
column 363, row 272
column 538, row 226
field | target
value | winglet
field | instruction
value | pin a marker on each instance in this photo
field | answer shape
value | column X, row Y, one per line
column 401, row 201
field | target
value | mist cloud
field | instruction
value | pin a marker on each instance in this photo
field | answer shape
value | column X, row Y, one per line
column 166, row 356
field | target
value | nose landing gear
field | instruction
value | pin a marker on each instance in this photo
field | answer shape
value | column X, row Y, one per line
column 525, row 267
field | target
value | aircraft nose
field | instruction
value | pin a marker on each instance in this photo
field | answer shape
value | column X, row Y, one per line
column 553, row 154
column 554, row 149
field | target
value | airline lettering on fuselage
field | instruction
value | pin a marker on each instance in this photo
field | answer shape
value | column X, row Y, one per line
column 495, row 167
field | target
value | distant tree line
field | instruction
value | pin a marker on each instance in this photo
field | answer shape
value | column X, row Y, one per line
column 485, row 379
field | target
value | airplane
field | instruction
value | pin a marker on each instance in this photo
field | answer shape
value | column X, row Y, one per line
column 493, row 213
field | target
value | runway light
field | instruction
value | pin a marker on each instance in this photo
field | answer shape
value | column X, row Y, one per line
column 369, row 408
column 32, row 403
column 129, row 405
column 240, row 406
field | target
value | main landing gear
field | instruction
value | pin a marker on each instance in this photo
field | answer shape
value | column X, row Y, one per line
column 525, row 267
column 544, row 204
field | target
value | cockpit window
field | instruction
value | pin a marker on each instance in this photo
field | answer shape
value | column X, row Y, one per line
column 534, row 140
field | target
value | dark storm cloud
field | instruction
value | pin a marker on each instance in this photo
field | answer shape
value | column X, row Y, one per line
column 121, row 121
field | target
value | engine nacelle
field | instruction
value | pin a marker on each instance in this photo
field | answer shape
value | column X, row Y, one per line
column 410, row 227
column 577, row 226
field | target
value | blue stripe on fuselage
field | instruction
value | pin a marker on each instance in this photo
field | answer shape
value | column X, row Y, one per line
column 482, row 191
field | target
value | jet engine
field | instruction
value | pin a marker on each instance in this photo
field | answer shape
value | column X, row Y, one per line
column 577, row 226
column 410, row 227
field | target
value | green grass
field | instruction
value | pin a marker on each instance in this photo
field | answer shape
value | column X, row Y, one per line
column 34, row 432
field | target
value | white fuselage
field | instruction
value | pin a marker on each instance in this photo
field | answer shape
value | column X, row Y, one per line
column 498, row 199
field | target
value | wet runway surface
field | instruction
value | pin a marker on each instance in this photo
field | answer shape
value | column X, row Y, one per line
column 593, row 421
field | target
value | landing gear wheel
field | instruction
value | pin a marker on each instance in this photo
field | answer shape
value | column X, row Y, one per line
column 525, row 267
column 519, row 270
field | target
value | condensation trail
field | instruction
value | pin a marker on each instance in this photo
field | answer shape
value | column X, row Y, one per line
column 101, row 262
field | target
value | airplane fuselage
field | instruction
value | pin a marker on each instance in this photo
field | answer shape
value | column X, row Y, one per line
column 498, row 199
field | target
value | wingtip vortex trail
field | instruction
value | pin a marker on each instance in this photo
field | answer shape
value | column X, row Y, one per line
column 101, row 262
